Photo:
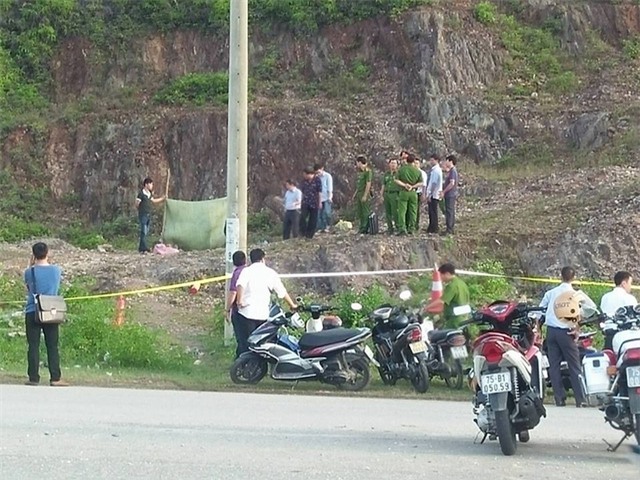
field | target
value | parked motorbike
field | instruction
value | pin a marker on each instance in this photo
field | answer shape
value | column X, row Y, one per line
column 611, row 379
column 318, row 321
column 399, row 346
column 446, row 348
column 337, row 357
column 507, row 373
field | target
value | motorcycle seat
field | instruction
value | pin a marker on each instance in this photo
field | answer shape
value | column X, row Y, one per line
column 437, row 336
column 327, row 337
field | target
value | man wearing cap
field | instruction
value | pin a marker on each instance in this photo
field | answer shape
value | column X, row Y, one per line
column 561, row 342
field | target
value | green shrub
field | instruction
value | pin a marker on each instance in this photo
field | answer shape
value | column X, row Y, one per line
column 485, row 12
column 196, row 89
column 631, row 48
column 370, row 299
column 485, row 290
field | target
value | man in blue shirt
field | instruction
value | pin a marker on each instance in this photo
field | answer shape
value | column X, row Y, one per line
column 42, row 278
column 326, row 197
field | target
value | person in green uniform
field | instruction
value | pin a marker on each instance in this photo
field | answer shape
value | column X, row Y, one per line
column 390, row 191
column 408, row 179
column 363, row 193
column 455, row 294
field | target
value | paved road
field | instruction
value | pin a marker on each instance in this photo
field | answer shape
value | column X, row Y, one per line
column 88, row 433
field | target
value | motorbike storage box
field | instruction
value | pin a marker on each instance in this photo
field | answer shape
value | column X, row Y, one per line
column 596, row 378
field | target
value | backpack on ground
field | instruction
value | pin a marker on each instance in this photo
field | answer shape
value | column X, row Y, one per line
column 372, row 226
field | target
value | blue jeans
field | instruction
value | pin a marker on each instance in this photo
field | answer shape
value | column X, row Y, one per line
column 324, row 215
column 145, row 224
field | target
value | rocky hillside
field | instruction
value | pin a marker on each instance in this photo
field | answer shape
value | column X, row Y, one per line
column 538, row 97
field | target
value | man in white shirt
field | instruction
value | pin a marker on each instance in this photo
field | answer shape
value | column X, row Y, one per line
column 561, row 343
column 434, row 191
column 421, row 190
column 620, row 296
column 292, row 204
column 326, row 197
column 254, row 288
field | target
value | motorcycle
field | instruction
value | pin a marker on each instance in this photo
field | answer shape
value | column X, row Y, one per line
column 447, row 348
column 400, row 349
column 337, row 357
column 507, row 376
column 318, row 321
column 611, row 379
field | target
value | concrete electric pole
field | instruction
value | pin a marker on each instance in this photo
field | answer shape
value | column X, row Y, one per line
column 237, row 136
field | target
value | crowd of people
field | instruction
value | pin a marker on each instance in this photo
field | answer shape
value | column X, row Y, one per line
column 406, row 187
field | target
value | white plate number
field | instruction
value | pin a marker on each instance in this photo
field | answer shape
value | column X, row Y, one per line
column 459, row 352
column 496, row 382
column 633, row 377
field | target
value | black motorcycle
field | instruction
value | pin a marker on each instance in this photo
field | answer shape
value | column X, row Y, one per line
column 400, row 349
column 447, row 349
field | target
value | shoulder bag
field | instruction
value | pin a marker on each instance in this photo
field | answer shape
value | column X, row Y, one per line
column 50, row 309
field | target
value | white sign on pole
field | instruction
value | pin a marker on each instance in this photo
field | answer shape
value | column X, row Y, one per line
column 233, row 239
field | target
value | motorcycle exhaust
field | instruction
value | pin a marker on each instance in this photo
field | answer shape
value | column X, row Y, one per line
column 612, row 412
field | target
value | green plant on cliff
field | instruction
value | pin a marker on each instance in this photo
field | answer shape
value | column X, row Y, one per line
column 196, row 89
column 485, row 12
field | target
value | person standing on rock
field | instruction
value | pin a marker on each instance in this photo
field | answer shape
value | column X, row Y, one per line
column 144, row 204
column 408, row 179
column 363, row 193
column 42, row 278
column 434, row 191
column 311, row 188
column 450, row 193
column 254, row 288
column 390, row 191
column 326, row 197
column 292, row 205
column 239, row 331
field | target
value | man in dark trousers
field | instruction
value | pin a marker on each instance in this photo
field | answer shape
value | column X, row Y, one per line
column 144, row 204
column 434, row 191
column 561, row 342
column 239, row 330
column 292, row 204
column 450, row 192
column 311, row 188
column 42, row 278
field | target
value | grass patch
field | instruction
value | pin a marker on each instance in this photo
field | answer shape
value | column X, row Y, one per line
column 195, row 89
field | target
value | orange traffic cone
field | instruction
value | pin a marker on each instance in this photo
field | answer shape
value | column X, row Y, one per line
column 120, row 307
column 436, row 291
column 195, row 288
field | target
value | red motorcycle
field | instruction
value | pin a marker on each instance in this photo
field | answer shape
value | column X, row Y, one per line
column 507, row 375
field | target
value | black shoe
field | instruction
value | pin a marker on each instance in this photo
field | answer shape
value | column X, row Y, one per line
column 561, row 403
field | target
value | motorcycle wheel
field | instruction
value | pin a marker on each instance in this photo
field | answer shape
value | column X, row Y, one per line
column 506, row 433
column 637, row 419
column 387, row 377
column 360, row 367
column 454, row 381
column 420, row 380
column 248, row 370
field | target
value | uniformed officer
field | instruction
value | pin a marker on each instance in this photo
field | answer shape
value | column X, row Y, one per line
column 562, row 305
column 363, row 193
column 408, row 179
column 390, row 191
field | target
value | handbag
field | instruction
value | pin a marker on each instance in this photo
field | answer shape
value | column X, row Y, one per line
column 50, row 309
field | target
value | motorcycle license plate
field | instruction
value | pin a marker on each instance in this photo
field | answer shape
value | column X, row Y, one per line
column 459, row 352
column 496, row 382
column 633, row 377
column 418, row 347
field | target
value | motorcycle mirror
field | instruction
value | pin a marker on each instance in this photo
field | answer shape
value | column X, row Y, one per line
column 405, row 295
column 299, row 300
column 462, row 310
column 356, row 306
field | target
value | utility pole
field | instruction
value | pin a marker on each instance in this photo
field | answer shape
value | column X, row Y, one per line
column 236, row 227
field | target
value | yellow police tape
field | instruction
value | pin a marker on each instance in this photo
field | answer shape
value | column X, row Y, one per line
column 325, row 275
